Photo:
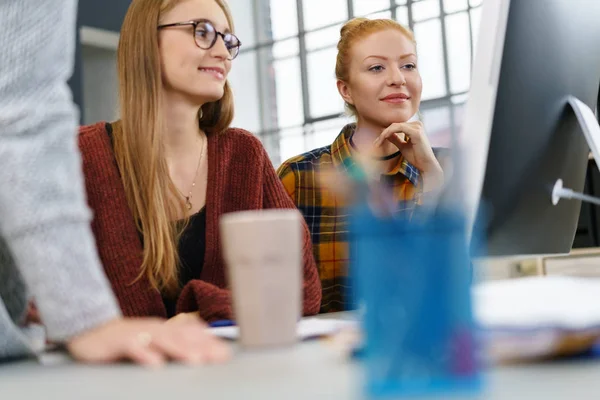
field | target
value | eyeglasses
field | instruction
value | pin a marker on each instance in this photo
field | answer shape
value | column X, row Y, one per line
column 205, row 36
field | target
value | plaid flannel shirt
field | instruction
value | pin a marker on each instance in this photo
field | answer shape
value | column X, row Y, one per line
column 327, row 213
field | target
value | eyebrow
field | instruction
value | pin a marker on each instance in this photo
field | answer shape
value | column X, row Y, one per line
column 226, row 30
column 386, row 58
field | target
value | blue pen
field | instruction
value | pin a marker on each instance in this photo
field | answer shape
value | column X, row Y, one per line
column 221, row 322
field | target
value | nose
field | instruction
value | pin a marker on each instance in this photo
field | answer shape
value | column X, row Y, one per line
column 219, row 50
column 396, row 77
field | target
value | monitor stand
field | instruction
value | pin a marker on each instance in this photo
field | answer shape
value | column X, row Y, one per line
column 591, row 130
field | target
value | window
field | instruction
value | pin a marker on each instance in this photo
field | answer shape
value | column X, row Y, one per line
column 243, row 16
column 459, row 54
column 289, row 92
column 320, row 13
column 402, row 15
column 290, row 141
column 324, row 97
column 430, row 50
column 244, row 84
column 364, row 7
column 286, row 22
column 451, row 6
column 425, row 9
column 323, row 38
column 284, row 77
column 323, row 133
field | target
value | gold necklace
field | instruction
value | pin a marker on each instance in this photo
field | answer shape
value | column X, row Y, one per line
column 188, row 198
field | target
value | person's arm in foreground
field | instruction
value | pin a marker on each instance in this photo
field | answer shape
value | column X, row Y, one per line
column 44, row 218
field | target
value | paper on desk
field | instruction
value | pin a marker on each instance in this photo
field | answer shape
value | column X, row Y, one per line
column 539, row 316
column 530, row 303
column 307, row 328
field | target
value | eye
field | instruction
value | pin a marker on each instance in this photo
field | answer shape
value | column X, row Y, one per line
column 409, row 67
column 201, row 33
column 231, row 41
column 204, row 29
column 376, row 68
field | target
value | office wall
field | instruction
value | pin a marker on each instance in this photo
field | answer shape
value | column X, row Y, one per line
column 100, row 90
column 103, row 14
column 94, row 81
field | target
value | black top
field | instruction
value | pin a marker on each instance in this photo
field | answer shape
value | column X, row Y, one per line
column 191, row 254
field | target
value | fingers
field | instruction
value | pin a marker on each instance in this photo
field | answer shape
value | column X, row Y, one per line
column 399, row 139
column 188, row 340
column 219, row 351
column 173, row 347
column 193, row 317
column 401, row 133
column 184, row 343
column 145, row 355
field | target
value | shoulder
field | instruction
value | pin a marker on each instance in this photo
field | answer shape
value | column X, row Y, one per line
column 241, row 137
column 241, row 144
column 310, row 160
column 93, row 130
column 95, row 144
column 93, row 135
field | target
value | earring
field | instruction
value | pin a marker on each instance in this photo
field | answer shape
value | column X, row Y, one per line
column 201, row 113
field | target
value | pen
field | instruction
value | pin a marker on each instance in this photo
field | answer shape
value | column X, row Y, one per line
column 221, row 323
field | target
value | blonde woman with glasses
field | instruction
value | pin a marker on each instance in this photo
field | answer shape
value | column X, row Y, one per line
column 159, row 179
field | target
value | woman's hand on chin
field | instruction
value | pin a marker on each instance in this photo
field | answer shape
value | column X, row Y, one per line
column 411, row 140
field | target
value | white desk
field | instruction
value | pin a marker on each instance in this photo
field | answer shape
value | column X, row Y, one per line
column 310, row 370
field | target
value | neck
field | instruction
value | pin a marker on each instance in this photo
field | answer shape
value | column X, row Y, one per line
column 181, row 128
column 365, row 134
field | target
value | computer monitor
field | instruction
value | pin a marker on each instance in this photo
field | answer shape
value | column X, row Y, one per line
column 520, row 135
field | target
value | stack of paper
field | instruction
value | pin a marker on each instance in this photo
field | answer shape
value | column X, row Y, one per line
column 307, row 328
column 539, row 316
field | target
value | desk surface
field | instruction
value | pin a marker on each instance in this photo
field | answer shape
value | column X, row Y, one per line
column 310, row 370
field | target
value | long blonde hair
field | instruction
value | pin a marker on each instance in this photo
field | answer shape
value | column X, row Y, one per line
column 151, row 194
column 355, row 30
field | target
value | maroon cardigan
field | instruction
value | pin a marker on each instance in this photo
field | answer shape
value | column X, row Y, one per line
column 240, row 177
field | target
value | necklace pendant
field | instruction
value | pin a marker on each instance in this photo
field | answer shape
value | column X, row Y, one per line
column 188, row 203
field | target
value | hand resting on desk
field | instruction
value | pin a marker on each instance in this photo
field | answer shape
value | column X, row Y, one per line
column 150, row 342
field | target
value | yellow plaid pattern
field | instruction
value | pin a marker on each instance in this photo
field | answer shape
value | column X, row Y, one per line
column 327, row 213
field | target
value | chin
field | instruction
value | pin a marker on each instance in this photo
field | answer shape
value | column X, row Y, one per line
column 207, row 96
column 402, row 116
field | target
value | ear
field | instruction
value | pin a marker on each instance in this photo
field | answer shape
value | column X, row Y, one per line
column 345, row 91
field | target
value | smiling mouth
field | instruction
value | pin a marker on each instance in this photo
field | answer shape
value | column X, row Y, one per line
column 217, row 73
column 396, row 100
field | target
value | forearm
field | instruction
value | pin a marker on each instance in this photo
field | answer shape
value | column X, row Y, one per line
column 212, row 302
column 43, row 213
